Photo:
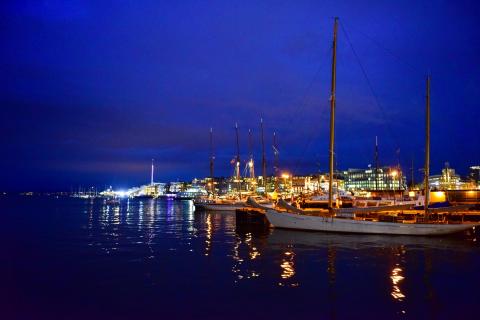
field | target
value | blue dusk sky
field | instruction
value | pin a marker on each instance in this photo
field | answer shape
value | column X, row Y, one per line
column 91, row 91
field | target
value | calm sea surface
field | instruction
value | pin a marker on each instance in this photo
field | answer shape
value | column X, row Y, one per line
column 75, row 259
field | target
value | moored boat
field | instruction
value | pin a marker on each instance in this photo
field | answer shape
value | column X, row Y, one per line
column 328, row 223
column 231, row 204
column 372, row 220
column 222, row 206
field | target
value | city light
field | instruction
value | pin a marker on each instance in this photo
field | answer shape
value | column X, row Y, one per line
column 122, row 193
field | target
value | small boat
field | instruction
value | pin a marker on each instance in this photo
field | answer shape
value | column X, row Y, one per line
column 232, row 204
column 345, row 200
column 219, row 204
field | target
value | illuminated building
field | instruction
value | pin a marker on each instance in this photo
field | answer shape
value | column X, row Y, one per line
column 448, row 180
column 386, row 178
column 174, row 187
column 306, row 184
column 474, row 175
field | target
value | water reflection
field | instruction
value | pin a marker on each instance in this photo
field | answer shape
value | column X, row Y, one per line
column 248, row 243
column 331, row 259
column 397, row 277
column 253, row 251
column 332, row 277
column 288, row 268
column 116, row 215
column 371, row 251
column 166, row 234
column 208, row 240
column 397, row 273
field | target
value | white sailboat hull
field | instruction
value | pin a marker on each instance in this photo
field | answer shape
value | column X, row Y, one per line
column 317, row 223
column 220, row 206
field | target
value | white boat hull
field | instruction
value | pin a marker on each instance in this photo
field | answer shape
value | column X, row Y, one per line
column 220, row 207
column 317, row 223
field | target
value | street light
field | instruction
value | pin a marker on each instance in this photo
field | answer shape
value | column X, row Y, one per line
column 394, row 173
column 285, row 177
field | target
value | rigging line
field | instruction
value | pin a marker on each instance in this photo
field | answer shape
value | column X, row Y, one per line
column 303, row 101
column 367, row 79
column 303, row 154
column 309, row 140
column 312, row 134
column 390, row 52
column 304, row 98
column 303, row 104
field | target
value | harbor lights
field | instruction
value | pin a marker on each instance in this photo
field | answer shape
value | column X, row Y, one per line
column 210, row 186
column 285, row 177
column 394, row 174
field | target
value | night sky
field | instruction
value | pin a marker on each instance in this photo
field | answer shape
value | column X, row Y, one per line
column 91, row 91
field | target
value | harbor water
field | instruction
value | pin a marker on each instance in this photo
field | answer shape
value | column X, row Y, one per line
column 69, row 258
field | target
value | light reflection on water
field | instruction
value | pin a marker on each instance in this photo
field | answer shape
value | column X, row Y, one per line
column 208, row 240
column 288, row 269
column 397, row 273
column 396, row 279
column 179, row 219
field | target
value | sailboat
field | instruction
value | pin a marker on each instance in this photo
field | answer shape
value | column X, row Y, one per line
column 232, row 202
column 216, row 203
column 378, row 220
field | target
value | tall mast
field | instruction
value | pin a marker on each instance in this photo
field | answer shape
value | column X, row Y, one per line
column 264, row 160
column 151, row 174
column 332, row 116
column 238, row 151
column 427, row 149
column 212, row 158
column 376, row 163
column 251, row 169
column 275, row 154
column 412, row 183
column 237, row 162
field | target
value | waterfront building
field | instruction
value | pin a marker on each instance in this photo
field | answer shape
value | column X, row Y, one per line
column 305, row 184
column 386, row 178
column 474, row 175
column 175, row 187
column 151, row 190
column 192, row 192
column 447, row 180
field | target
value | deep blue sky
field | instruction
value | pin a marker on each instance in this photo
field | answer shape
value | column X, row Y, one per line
column 92, row 90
